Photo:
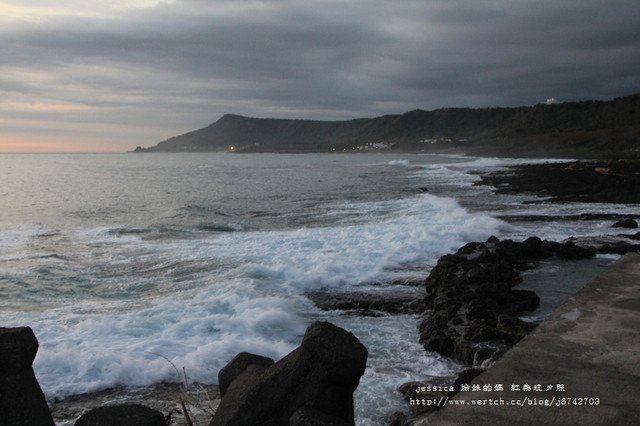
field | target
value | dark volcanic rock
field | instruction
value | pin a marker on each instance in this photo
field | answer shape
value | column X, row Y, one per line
column 569, row 250
column 580, row 181
column 364, row 303
column 625, row 223
column 319, row 377
column 472, row 309
column 122, row 415
column 21, row 399
column 614, row 244
column 238, row 365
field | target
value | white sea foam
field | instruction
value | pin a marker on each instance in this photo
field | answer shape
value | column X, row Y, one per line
column 254, row 302
column 395, row 357
column 400, row 163
column 19, row 236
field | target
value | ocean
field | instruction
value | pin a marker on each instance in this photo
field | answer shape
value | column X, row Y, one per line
column 121, row 261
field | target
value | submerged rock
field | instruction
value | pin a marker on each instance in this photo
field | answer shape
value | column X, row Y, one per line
column 21, row 399
column 625, row 223
column 313, row 383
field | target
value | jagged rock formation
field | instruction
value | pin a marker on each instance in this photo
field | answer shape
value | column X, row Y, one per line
column 472, row 309
column 313, row 385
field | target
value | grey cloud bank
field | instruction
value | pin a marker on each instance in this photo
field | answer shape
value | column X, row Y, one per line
column 144, row 74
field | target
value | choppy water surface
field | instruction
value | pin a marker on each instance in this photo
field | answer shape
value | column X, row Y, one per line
column 114, row 259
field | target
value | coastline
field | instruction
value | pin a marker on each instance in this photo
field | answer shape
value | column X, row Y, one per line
column 584, row 350
column 592, row 181
column 426, row 274
column 596, row 181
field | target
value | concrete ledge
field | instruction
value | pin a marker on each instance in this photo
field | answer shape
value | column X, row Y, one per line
column 590, row 345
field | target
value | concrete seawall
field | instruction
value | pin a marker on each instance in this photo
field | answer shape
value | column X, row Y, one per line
column 590, row 347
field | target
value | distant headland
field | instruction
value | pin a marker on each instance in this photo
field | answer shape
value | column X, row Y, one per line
column 587, row 129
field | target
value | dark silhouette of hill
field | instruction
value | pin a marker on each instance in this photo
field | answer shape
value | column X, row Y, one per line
column 583, row 129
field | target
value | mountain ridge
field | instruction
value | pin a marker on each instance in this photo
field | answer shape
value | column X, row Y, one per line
column 584, row 128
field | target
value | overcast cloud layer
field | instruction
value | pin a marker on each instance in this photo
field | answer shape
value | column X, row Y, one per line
column 78, row 76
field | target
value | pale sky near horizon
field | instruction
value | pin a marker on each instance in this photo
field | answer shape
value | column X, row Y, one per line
column 114, row 74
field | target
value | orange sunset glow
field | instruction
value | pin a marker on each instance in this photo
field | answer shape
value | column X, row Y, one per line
column 23, row 144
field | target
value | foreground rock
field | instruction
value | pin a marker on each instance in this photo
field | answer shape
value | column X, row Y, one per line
column 122, row 415
column 238, row 365
column 472, row 308
column 21, row 399
column 313, row 385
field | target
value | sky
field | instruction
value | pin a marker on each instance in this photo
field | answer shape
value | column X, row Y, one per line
column 109, row 75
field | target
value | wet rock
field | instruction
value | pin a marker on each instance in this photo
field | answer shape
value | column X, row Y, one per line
column 122, row 415
column 609, row 244
column 625, row 223
column 366, row 303
column 21, row 399
column 319, row 376
column 472, row 309
column 578, row 181
column 571, row 251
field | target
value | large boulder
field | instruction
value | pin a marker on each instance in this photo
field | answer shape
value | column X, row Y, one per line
column 472, row 309
column 314, row 381
column 122, row 415
column 22, row 402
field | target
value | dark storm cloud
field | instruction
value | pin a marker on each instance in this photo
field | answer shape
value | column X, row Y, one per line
column 187, row 62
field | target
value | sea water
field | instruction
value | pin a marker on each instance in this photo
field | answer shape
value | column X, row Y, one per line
column 120, row 262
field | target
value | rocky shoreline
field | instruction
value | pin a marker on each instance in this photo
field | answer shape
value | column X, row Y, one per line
column 613, row 181
column 470, row 308
column 471, row 313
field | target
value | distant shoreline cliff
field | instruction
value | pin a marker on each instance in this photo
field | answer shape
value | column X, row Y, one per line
column 587, row 129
